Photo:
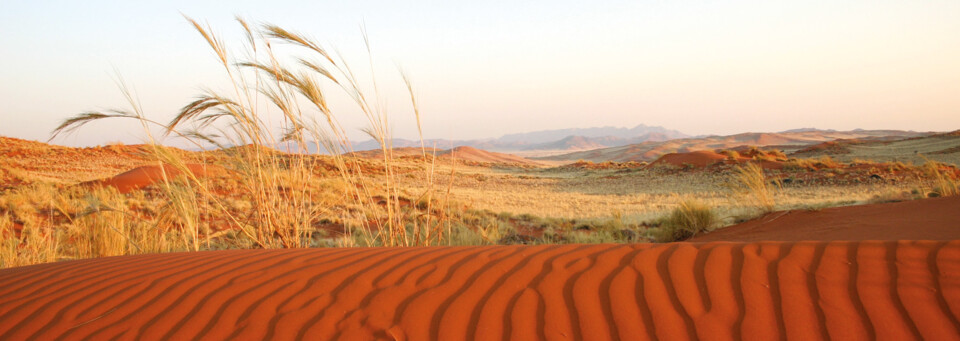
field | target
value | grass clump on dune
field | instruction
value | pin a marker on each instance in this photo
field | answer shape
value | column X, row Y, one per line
column 687, row 220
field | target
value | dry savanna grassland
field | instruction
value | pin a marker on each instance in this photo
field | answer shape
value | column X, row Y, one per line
column 849, row 240
column 63, row 203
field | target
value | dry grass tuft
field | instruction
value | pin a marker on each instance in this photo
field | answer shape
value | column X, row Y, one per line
column 687, row 220
column 943, row 184
column 750, row 182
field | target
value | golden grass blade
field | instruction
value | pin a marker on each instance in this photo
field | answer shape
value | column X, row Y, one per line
column 278, row 32
column 211, row 39
column 75, row 122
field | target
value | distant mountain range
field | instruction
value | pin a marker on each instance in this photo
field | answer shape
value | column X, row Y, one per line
column 544, row 140
column 788, row 141
column 610, row 133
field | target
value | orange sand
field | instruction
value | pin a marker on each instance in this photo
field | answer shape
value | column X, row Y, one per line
column 144, row 176
column 925, row 219
column 769, row 290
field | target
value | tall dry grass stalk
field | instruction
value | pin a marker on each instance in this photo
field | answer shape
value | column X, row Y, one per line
column 52, row 224
column 32, row 245
column 943, row 183
column 750, row 182
column 283, row 213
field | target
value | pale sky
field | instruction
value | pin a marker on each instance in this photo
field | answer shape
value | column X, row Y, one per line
column 488, row 68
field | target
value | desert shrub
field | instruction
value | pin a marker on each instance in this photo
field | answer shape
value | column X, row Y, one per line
column 764, row 156
column 595, row 225
column 732, row 155
column 800, row 164
column 827, row 162
column 899, row 166
column 777, row 154
column 894, row 196
column 943, row 183
column 690, row 218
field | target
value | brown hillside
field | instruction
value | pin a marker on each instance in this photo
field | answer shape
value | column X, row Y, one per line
column 24, row 162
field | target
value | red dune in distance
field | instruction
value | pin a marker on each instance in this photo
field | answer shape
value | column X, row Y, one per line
column 924, row 219
column 700, row 158
column 144, row 176
column 471, row 154
column 397, row 152
column 462, row 153
column 768, row 290
column 704, row 158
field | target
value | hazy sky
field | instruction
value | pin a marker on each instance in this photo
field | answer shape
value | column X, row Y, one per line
column 487, row 68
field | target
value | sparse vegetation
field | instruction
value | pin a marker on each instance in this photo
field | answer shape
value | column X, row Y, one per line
column 282, row 213
column 750, row 181
column 943, row 184
column 732, row 155
column 689, row 219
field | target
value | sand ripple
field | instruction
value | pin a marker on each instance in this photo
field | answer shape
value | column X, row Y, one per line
column 767, row 290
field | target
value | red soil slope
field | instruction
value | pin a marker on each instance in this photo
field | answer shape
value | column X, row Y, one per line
column 470, row 154
column 144, row 176
column 24, row 162
column 926, row 219
column 771, row 290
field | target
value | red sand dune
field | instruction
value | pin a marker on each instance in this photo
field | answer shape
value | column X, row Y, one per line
column 704, row 158
column 144, row 176
column 471, row 154
column 829, row 147
column 770, row 290
column 925, row 219
column 700, row 158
